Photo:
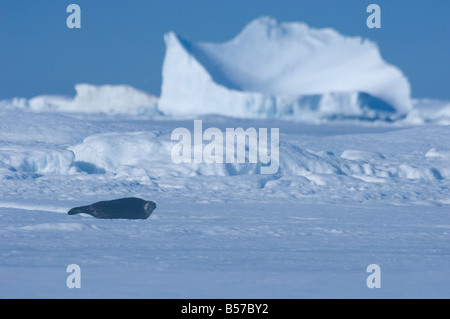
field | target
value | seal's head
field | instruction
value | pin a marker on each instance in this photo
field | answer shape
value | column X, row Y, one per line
column 149, row 207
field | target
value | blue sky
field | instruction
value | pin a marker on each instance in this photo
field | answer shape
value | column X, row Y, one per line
column 121, row 42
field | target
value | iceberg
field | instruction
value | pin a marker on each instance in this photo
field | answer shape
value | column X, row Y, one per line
column 282, row 70
column 109, row 99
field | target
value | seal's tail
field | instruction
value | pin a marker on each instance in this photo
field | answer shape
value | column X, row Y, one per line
column 74, row 211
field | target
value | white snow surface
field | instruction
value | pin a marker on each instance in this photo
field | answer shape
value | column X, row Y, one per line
column 346, row 195
column 280, row 70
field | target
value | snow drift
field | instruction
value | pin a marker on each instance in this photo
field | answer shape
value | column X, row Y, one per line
column 281, row 70
column 145, row 156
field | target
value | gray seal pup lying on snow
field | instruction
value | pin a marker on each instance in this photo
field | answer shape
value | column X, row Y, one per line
column 126, row 208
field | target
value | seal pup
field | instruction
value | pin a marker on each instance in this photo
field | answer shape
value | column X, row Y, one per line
column 126, row 208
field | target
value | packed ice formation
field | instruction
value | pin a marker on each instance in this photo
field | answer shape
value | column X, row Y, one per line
column 281, row 70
